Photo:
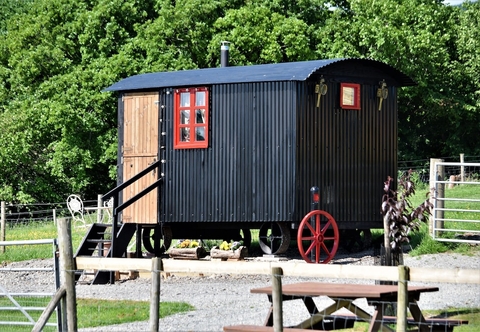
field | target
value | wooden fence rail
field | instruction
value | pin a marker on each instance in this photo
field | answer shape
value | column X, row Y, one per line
column 294, row 269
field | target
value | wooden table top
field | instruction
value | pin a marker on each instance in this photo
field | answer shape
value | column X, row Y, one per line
column 347, row 291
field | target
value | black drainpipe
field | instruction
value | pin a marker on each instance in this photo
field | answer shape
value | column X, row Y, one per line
column 224, row 53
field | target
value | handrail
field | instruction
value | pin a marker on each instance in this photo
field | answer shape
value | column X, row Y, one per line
column 117, row 208
column 135, row 198
column 122, row 186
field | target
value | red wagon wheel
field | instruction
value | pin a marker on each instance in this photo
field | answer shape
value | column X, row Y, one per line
column 318, row 237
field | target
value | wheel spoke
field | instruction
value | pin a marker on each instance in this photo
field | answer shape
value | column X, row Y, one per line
column 325, row 228
column 308, row 238
column 317, row 252
column 325, row 249
column 310, row 228
column 312, row 245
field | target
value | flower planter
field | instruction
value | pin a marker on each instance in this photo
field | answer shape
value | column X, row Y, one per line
column 237, row 254
column 187, row 253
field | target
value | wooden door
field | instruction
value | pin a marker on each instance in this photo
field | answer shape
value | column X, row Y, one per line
column 140, row 149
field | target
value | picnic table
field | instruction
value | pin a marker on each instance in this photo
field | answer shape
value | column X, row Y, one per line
column 343, row 296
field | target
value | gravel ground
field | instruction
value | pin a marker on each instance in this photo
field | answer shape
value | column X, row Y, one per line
column 221, row 300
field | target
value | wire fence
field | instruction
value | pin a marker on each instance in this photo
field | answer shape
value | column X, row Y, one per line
column 21, row 214
column 421, row 168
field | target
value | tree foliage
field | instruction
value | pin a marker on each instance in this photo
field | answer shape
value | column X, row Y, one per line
column 59, row 129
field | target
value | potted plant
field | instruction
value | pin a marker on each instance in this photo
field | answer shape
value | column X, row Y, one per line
column 229, row 250
column 187, row 249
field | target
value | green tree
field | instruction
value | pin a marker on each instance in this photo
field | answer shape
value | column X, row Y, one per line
column 59, row 129
column 419, row 38
column 260, row 35
column 465, row 80
column 56, row 56
column 9, row 8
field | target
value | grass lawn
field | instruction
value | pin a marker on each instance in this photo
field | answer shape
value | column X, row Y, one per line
column 116, row 312
column 471, row 315
column 105, row 312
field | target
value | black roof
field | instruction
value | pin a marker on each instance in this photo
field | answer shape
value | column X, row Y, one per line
column 286, row 71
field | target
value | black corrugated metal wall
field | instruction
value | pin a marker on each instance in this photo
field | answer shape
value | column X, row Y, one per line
column 347, row 153
column 248, row 171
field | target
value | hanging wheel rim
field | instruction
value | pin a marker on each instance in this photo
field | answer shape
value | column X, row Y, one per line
column 321, row 237
column 274, row 238
column 148, row 239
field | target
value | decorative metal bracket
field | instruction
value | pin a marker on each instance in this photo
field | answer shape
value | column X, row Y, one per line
column 321, row 90
column 382, row 93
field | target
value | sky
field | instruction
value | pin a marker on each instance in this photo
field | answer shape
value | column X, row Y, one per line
column 456, row 2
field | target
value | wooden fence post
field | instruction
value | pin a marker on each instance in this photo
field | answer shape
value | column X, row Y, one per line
column 277, row 302
column 67, row 271
column 2, row 227
column 402, row 299
column 155, row 294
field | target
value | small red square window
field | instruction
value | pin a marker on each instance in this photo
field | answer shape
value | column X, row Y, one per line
column 350, row 96
column 191, row 118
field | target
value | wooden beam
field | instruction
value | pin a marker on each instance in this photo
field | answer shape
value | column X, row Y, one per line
column 113, row 264
column 300, row 269
column 453, row 275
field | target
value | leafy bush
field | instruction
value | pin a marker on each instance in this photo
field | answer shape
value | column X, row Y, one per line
column 399, row 216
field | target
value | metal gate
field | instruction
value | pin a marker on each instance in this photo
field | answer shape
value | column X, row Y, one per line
column 451, row 208
column 14, row 302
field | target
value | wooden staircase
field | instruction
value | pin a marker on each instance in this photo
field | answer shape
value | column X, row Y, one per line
column 97, row 243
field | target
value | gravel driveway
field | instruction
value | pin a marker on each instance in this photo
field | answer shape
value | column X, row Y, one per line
column 221, row 300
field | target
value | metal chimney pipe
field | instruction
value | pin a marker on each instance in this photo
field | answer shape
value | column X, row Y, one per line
column 224, row 53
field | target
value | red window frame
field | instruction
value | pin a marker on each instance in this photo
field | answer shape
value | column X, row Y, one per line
column 191, row 118
column 353, row 101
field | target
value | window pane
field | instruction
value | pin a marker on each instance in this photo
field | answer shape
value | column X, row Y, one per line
column 185, row 134
column 199, row 116
column 185, row 99
column 200, row 133
column 200, row 98
column 348, row 96
column 184, row 117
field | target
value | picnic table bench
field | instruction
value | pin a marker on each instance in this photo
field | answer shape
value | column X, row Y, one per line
column 435, row 324
column 259, row 328
column 343, row 296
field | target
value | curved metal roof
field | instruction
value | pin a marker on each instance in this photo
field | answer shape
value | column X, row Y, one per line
column 286, row 71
